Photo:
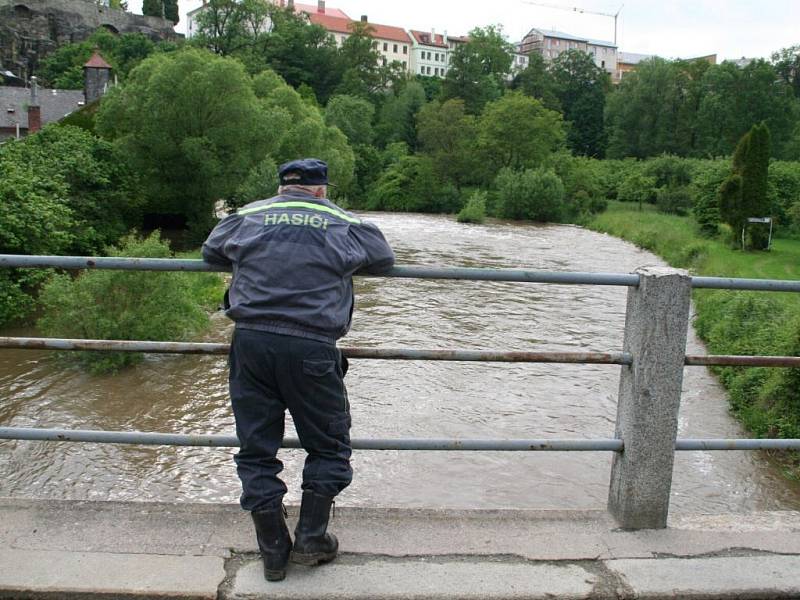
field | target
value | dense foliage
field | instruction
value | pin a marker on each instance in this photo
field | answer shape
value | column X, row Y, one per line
column 61, row 191
column 63, row 69
column 123, row 305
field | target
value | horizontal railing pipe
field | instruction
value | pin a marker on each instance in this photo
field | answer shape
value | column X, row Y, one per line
column 173, row 264
column 737, row 444
column 230, row 441
column 472, row 274
column 609, row 358
column 29, row 343
column 722, row 360
column 760, row 285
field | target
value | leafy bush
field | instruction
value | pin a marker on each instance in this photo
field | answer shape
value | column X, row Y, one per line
column 475, row 209
column 536, row 195
column 410, row 185
column 261, row 182
column 96, row 186
column 669, row 171
column 122, row 305
column 637, row 188
column 783, row 191
column 674, row 200
column 704, row 188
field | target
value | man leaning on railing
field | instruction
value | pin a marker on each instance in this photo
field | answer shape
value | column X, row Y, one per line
column 293, row 258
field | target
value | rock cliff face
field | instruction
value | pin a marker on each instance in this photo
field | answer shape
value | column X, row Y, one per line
column 31, row 29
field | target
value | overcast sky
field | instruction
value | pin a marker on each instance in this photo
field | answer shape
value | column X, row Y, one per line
column 669, row 28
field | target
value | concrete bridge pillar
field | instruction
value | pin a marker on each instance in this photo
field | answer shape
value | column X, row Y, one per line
column 656, row 325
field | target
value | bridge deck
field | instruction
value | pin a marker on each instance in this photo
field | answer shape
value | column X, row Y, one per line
column 71, row 549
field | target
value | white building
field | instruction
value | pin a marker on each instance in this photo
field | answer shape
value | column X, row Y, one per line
column 550, row 44
column 430, row 54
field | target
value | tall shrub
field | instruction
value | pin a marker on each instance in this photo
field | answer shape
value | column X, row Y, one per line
column 533, row 194
column 744, row 193
column 121, row 305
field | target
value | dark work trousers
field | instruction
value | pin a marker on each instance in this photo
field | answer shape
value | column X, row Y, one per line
column 268, row 374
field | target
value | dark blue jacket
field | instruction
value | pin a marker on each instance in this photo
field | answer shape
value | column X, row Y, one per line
column 293, row 257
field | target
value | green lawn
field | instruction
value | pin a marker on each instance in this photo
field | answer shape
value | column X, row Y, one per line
column 767, row 401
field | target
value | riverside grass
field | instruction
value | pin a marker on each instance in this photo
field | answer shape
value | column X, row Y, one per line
column 766, row 401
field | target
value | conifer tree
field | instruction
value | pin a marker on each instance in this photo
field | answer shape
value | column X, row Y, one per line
column 171, row 12
column 744, row 193
column 153, row 8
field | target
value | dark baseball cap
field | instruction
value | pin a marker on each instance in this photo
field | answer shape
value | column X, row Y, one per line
column 305, row 171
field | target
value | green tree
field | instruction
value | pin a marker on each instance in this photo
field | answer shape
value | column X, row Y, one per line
column 364, row 72
column 353, row 116
column 448, row 134
column 298, row 129
column 100, row 191
column 397, row 121
column 581, row 87
column 153, row 8
column 478, row 68
column 787, row 64
column 171, row 11
column 735, row 98
column 537, row 81
column 228, row 26
column 191, row 127
column 643, row 113
column 300, row 52
column 744, row 193
column 517, row 132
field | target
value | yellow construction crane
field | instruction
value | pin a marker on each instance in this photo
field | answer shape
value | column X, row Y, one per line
column 581, row 11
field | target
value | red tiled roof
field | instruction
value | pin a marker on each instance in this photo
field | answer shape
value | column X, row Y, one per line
column 97, row 62
column 310, row 8
column 331, row 23
column 424, row 37
column 339, row 25
column 388, row 32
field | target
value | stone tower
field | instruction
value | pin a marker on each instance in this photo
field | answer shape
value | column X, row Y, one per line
column 96, row 77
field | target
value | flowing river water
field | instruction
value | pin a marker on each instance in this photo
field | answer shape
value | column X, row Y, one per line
column 188, row 394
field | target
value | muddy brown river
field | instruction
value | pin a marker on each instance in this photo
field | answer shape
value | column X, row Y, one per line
column 188, row 394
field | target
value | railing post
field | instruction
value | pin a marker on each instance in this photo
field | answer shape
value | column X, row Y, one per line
column 656, row 324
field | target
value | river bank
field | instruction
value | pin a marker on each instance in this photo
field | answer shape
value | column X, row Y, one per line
column 766, row 401
column 394, row 399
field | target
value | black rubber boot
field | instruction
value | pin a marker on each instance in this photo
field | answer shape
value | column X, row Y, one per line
column 274, row 542
column 312, row 544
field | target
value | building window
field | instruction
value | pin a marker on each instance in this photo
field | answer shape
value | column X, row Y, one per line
column 428, row 70
column 375, row 45
column 405, row 49
column 395, row 48
column 436, row 71
column 404, row 64
column 385, row 46
column 603, row 64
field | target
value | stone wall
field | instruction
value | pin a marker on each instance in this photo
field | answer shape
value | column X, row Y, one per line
column 32, row 29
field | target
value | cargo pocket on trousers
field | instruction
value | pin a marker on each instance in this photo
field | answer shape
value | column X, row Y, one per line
column 318, row 368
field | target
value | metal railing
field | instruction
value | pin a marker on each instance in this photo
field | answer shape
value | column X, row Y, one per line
column 652, row 361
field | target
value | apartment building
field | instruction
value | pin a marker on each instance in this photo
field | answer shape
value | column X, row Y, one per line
column 550, row 44
column 430, row 54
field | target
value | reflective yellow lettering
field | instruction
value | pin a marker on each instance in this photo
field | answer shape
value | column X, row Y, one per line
column 284, row 218
column 297, row 219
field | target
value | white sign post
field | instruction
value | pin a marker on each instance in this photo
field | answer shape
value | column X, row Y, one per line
column 760, row 220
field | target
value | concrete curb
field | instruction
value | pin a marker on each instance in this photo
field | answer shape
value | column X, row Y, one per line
column 100, row 550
